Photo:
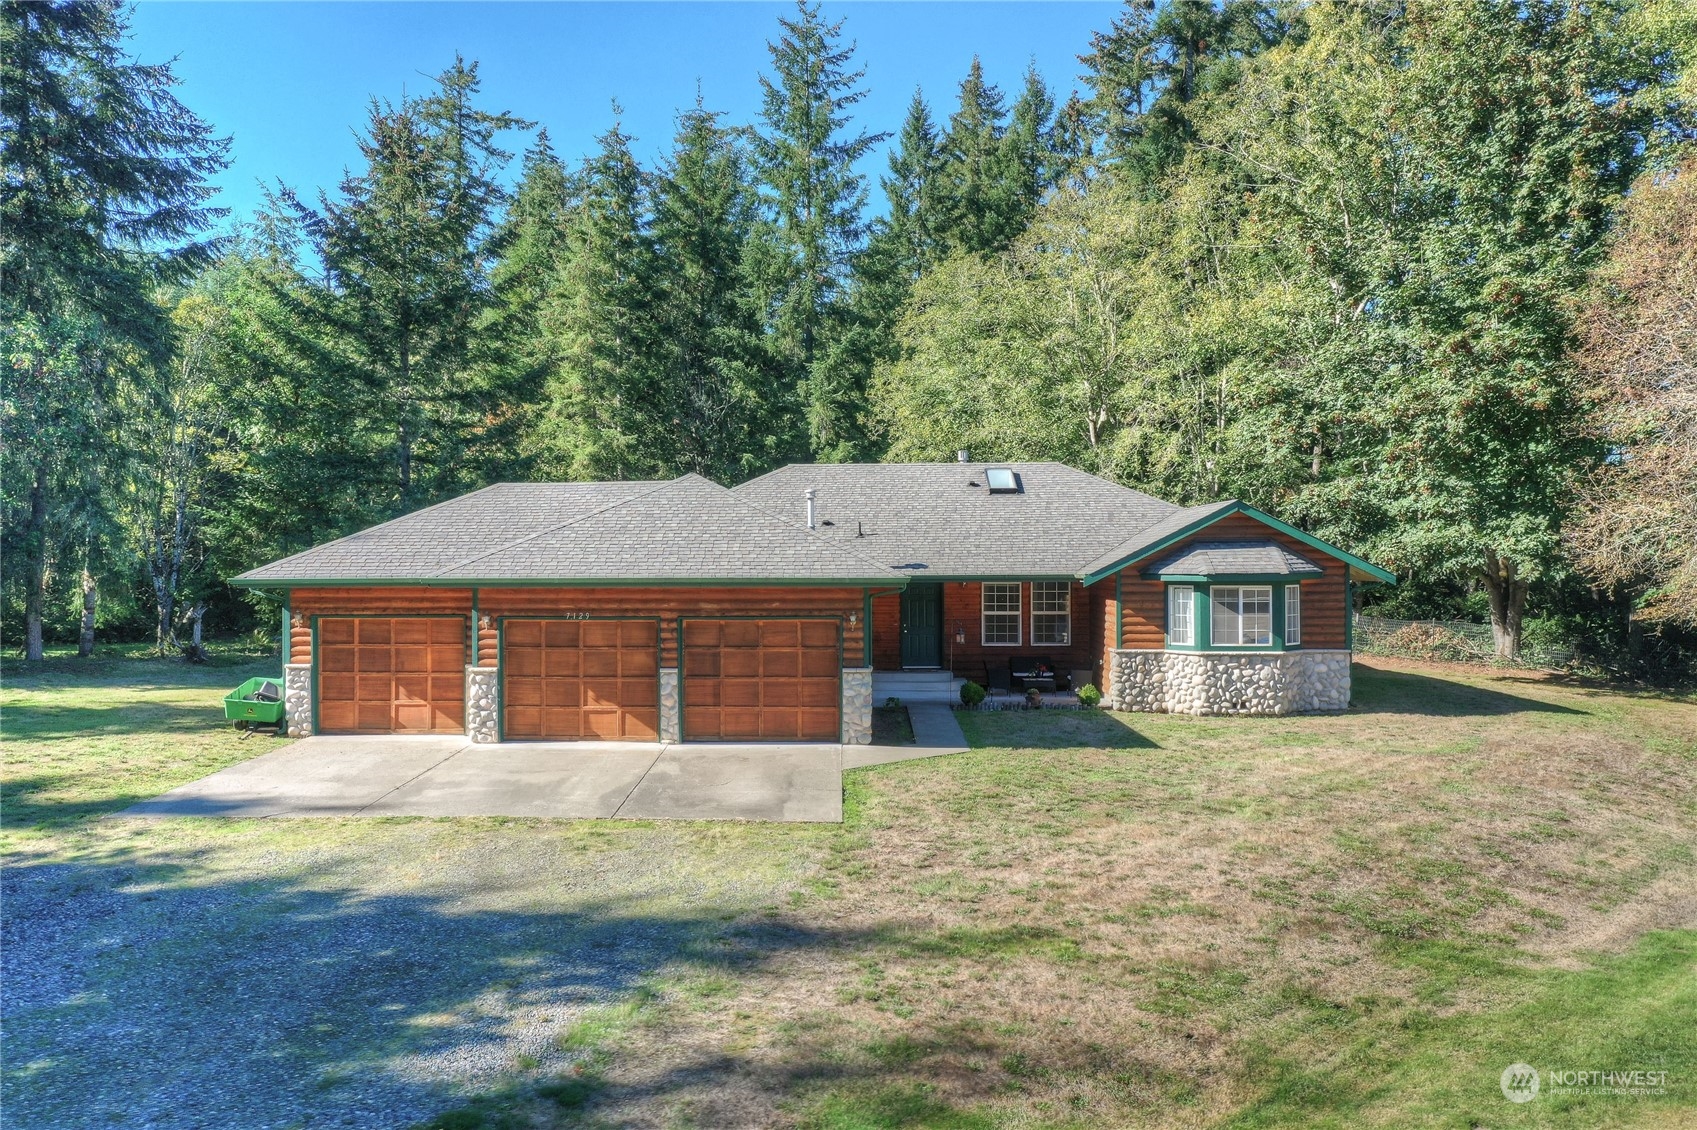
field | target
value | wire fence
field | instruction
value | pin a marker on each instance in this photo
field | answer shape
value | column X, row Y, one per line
column 1452, row 640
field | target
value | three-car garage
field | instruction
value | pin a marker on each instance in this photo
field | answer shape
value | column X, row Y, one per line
column 564, row 675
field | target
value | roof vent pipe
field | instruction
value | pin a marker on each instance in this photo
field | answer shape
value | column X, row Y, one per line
column 961, row 456
column 810, row 523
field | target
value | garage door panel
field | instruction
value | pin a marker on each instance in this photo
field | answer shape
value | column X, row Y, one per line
column 411, row 658
column 600, row 634
column 574, row 670
column 818, row 692
column 821, row 663
column 600, row 663
column 561, row 633
column 377, row 717
column 739, row 663
column 522, row 633
column 739, row 692
column 560, row 661
column 769, row 680
column 739, row 633
column 374, row 658
column 337, row 659
column 334, row 716
column 639, row 692
column 386, row 675
column 817, row 721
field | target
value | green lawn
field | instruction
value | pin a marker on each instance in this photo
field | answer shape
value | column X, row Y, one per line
column 1088, row 920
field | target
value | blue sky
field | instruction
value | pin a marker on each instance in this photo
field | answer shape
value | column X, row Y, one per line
column 290, row 82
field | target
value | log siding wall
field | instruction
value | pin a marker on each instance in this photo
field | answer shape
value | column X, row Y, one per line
column 663, row 604
column 963, row 604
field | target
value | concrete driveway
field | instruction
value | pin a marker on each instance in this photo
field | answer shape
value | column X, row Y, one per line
column 448, row 776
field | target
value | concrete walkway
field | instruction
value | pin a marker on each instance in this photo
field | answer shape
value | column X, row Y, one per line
column 448, row 776
column 935, row 733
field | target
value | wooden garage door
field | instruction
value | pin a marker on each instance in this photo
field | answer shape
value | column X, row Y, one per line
column 765, row 680
column 581, row 679
column 391, row 674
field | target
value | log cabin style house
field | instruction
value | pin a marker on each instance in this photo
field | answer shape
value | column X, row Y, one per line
column 782, row 609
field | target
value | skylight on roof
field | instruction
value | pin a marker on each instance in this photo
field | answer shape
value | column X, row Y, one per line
column 1002, row 480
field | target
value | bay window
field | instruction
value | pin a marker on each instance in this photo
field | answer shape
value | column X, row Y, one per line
column 1241, row 615
column 1181, row 603
column 1293, row 615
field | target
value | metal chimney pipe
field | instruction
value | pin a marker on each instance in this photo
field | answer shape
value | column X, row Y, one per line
column 961, row 456
column 810, row 523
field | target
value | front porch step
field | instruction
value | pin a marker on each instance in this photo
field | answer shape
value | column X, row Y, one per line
column 914, row 686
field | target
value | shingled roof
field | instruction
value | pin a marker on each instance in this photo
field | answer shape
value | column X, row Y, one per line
column 942, row 520
column 1234, row 558
column 683, row 529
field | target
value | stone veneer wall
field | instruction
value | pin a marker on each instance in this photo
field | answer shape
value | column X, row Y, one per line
column 857, row 706
column 297, row 699
column 670, row 728
column 483, row 704
column 1228, row 682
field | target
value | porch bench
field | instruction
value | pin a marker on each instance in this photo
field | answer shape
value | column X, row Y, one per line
column 1032, row 671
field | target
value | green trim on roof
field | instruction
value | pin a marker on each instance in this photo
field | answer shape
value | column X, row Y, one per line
column 1381, row 575
column 565, row 583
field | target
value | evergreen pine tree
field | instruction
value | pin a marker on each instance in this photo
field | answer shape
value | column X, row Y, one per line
column 815, row 201
column 600, row 415
column 718, row 382
column 104, row 195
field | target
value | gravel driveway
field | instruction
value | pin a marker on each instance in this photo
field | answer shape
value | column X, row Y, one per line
column 367, row 974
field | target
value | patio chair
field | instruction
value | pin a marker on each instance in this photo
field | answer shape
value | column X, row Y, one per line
column 996, row 680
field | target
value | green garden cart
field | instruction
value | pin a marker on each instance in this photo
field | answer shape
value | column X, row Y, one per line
column 255, row 704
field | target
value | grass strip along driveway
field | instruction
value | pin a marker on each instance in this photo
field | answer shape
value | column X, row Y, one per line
column 1087, row 920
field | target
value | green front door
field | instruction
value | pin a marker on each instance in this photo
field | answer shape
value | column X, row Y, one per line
column 922, row 625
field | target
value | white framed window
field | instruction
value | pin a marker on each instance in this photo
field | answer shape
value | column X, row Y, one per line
column 1001, row 613
column 1242, row 615
column 1293, row 615
column 1051, row 613
column 1181, row 603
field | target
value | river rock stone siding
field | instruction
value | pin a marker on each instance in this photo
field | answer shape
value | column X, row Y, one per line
column 483, row 704
column 1227, row 682
column 671, row 730
column 857, row 706
column 297, row 699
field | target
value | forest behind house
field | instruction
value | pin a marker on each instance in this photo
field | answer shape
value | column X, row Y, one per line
column 1419, row 276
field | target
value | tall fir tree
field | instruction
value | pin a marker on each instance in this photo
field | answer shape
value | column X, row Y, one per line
column 599, row 419
column 104, row 196
column 815, row 203
column 718, row 381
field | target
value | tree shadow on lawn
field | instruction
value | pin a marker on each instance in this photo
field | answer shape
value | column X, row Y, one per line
column 1052, row 729
column 144, row 994
column 1380, row 691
